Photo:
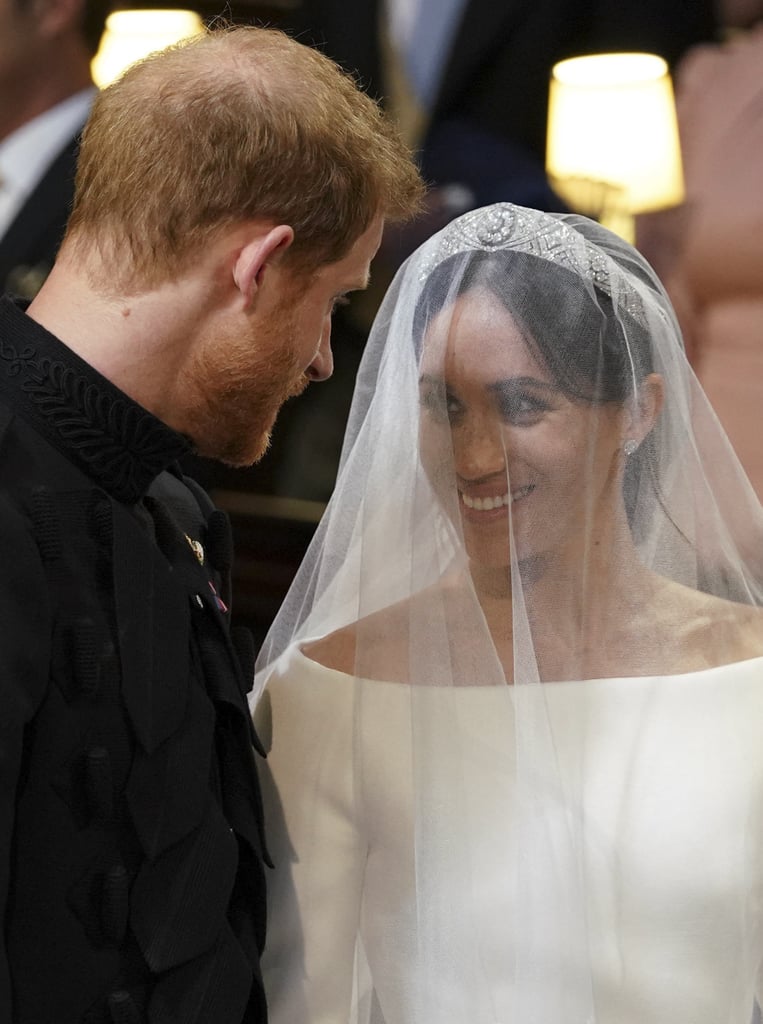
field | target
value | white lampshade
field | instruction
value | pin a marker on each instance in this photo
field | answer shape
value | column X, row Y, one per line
column 613, row 134
column 132, row 34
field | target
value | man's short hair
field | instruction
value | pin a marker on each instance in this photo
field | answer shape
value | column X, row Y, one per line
column 236, row 124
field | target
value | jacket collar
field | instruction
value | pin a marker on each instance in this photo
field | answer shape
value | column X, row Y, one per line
column 115, row 441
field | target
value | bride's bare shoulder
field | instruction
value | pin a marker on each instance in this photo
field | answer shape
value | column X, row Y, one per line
column 373, row 646
column 743, row 624
column 731, row 627
column 335, row 651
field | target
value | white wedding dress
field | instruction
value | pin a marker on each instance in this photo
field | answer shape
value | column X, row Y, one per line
column 662, row 777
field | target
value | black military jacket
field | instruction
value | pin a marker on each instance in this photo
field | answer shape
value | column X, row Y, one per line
column 131, row 847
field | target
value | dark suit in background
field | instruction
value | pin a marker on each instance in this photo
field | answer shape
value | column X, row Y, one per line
column 494, row 83
column 45, row 73
column 29, row 246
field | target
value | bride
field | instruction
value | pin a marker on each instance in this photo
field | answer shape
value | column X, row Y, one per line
column 514, row 698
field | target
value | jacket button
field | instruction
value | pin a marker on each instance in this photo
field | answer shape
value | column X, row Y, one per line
column 85, row 657
column 99, row 785
column 115, row 904
column 123, row 1009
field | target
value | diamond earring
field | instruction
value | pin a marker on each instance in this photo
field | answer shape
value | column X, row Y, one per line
column 630, row 446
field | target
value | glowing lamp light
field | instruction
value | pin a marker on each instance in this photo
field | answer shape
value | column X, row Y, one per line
column 612, row 147
column 132, row 34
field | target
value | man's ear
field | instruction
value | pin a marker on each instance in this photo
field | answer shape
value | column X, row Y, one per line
column 252, row 259
column 646, row 407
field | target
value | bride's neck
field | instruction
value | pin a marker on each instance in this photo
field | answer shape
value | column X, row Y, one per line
column 572, row 592
column 578, row 621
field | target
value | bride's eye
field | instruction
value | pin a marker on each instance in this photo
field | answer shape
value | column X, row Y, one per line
column 522, row 408
column 440, row 404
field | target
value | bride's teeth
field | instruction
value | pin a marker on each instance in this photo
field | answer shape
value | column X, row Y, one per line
column 485, row 504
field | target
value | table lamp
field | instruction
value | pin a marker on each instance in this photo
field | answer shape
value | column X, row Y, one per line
column 612, row 147
column 132, row 34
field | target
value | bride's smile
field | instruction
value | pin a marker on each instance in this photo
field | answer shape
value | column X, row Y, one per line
column 521, row 453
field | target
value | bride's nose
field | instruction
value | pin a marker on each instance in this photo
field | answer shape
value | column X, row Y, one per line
column 479, row 448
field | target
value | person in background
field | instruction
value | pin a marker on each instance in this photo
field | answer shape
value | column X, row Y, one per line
column 468, row 79
column 709, row 250
column 230, row 192
column 46, row 91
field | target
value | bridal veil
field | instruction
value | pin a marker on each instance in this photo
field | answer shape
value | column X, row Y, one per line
column 514, row 686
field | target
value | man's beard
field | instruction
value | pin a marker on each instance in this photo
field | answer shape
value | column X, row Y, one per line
column 232, row 395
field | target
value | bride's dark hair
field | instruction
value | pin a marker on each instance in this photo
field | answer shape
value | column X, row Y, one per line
column 594, row 352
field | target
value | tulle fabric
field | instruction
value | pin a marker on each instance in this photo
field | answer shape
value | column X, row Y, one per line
column 515, row 681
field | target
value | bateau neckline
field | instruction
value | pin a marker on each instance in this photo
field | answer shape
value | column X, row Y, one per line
column 296, row 652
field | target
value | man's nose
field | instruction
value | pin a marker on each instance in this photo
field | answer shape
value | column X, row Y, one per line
column 322, row 365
